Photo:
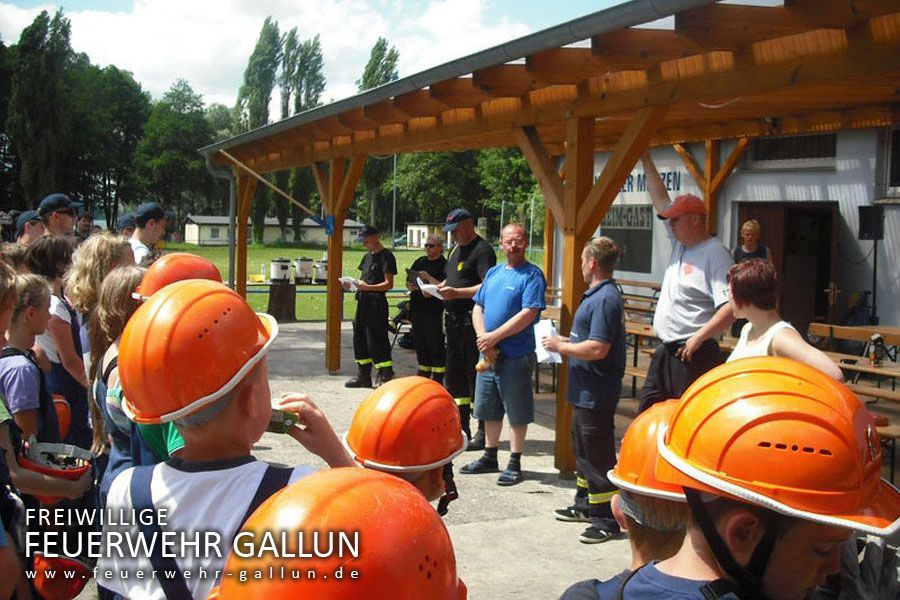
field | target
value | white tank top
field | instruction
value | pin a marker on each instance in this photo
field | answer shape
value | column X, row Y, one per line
column 761, row 346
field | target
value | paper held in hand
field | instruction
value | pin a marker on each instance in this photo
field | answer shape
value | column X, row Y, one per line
column 427, row 288
column 349, row 280
column 542, row 329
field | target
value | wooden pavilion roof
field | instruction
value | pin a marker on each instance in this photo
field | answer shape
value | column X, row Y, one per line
column 724, row 71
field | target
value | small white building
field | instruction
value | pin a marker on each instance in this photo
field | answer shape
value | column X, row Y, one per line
column 417, row 233
column 212, row 230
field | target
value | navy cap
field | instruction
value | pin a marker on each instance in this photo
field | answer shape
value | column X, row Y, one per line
column 126, row 220
column 25, row 217
column 147, row 211
column 55, row 202
column 366, row 231
column 456, row 217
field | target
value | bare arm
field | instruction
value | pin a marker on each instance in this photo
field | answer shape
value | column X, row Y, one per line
column 512, row 326
column 452, row 293
column 723, row 318
column 62, row 335
column 655, row 185
column 789, row 344
column 586, row 350
column 384, row 286
column 32, row 482
column 27, row 420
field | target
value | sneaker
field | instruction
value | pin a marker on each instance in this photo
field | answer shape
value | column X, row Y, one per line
column 571, row 515
column 477, row 442
column 510, row 477
column 482, row 465
column 595, row 535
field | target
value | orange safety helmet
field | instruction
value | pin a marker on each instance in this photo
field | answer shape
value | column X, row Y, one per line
column 407, row 424
column 635, row 470
column 176, row 266
column 187, row 346
column 374, row 524
column 63, row 414
column 782, row 435
column 64, row 461
column 54, row 586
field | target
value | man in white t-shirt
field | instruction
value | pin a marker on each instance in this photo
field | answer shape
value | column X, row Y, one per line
column 150, row 221
column 693, row 305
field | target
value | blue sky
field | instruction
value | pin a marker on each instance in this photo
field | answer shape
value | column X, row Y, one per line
column 207, row 42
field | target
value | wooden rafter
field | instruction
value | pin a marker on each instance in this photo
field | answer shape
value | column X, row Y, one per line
column 691, row 164
column 542, row 168
column 631, row 146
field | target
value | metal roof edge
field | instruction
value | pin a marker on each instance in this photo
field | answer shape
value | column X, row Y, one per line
column 616, row 17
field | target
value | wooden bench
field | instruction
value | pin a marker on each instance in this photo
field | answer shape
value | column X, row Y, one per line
column 888, row 435
column 874, row 392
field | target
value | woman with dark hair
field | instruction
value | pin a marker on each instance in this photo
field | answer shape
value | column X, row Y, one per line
column 51, row 257
column 754, row 287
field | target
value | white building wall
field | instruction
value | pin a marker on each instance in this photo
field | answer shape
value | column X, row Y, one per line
column 851, row 184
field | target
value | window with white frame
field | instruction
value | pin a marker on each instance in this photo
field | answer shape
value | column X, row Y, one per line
column 214, row 232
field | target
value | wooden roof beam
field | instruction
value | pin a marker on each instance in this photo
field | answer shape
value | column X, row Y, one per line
column 357, row 120
column 626, row 49
column 420, row 103
column 729, row 26
column 385, row 113
column 561, row 65
column 501, row 81
column 839, row 13
column 460, row 92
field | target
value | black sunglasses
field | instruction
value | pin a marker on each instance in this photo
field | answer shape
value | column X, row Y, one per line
column 430, row 245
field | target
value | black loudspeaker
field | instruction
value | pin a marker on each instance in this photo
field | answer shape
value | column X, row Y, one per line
column 871, row 222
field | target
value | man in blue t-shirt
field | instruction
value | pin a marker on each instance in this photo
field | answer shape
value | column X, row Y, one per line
column 596, row 351
column 506, row 308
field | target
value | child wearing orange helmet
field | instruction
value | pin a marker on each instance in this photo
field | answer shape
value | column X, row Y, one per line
column 393, row 546
column 653, row 514
column 410, row 427
column 779, row 464
column 203, row 368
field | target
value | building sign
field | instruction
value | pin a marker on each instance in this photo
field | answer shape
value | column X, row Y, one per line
column 631, row 226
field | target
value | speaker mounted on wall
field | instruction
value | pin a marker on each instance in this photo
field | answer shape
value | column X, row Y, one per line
column 871, row 222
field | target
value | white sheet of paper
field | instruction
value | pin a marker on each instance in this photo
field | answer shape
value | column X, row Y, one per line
column 349, row 280
column 427, row 288
column 544, row 328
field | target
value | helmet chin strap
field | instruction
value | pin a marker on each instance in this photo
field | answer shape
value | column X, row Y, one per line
column 450, row 493
column 749, row 578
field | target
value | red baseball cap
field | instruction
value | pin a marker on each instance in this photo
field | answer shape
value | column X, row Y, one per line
column 685, row 204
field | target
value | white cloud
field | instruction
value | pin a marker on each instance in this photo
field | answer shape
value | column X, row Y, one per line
column 207, row 42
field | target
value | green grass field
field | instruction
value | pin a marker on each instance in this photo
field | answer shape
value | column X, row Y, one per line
column 311, row 303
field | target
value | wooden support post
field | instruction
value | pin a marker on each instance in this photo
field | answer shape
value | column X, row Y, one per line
column 339, row 188
column 542, row 168
column 246, row 189
column 633, row 143
column 549, row 247
column 711, row 196
column 713, row 177
column 579, row 178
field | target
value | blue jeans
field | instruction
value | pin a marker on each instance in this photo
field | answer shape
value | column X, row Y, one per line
column 506, row 389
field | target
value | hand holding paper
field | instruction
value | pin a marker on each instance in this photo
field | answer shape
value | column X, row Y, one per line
column 427, row 288
column 348, row 283
column 544, row 329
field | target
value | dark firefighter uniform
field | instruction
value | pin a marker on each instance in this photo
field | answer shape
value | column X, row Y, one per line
column 426, row 313
column 370, row 325
column 466, row 266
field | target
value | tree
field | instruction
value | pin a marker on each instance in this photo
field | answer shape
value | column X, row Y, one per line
column 309, row 83
column 9, row 162
column 167, row 161
column 286, row 81
column 221, row 121
column 381, row 69
column 39, row 123
column 431, row 184
column 508, row 183
column 253, row 103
